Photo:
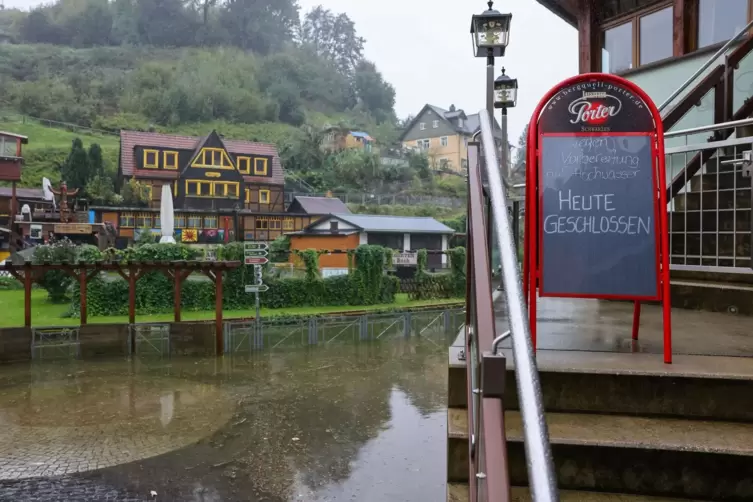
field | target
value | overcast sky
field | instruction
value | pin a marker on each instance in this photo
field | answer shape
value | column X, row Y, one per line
column 423, row 48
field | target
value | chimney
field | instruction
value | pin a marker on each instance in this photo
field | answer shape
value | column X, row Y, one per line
column 452, row 108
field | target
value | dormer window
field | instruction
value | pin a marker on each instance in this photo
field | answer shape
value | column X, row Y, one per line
column 460, row 122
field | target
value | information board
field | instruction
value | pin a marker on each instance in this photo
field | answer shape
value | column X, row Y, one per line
column 597, row 218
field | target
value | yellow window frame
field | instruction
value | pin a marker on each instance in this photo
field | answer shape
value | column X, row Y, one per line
column 248, row 195
column 155, row 164
column 287, row 224
column 127, row 216
column 260, row 172
column 211, row 222
column 226, row 188
column 224, row 161
column 170, row 160
column 180, row 220
column 199, row 184
column 193, row 217
column 145, row 216
column 244, row 164
column 264, row 197
column 275, row 224
column 264, row 221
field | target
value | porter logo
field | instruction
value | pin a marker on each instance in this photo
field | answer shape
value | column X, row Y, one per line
column 594, row 108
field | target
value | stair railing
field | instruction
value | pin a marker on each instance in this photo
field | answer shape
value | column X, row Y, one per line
column 722, row 50
column 486, row 367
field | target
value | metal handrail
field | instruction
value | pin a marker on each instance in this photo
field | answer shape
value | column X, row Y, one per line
column 538, row 451
column 705, row 66
column 709, row 128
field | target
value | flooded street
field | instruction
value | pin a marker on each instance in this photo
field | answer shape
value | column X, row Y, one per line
column 351, row 422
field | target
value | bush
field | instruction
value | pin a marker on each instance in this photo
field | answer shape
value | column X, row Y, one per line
column 367, row 285
column 57, row 282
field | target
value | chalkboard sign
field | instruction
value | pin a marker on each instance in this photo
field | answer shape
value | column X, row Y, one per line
column 598, row 216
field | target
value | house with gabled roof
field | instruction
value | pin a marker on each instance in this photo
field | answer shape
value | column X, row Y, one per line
column 443, row 135
column 222, row 189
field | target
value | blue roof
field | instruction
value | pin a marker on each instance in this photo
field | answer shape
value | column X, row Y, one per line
column 359, row 134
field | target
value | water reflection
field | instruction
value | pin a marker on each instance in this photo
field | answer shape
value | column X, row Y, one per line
column 359, row 422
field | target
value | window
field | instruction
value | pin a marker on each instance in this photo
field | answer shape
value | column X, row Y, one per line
column 262, row 224
column 157, row 221
column 151, row 159
column 646, row 37
column 444, row 163
column 260, row 167
column 170, row 160
column 422, row 126
column 210, row 222
column 213, row 158
column 423, row 144
column 144, row 220
column 720, row 20
column 655, row 39
column 275, row 223
column 617, row 49
column 263, row 196
column 287, row 224
column 444, row 141
column 193, row 221
column 435, row 124
column 127, row 220
column 180, row 220
column 244, row 165
column 198, row 188
column 334, row 226
column 460, row 122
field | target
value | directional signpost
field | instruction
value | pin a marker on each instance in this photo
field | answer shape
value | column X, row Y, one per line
column 255, row 253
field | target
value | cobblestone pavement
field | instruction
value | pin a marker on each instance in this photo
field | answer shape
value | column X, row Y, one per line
column 81, row 423
column 63, row 489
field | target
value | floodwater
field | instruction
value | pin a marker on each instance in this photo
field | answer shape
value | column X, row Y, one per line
column 355, row 422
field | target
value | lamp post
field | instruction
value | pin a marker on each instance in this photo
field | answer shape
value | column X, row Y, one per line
column 506, row 96
column 490, row 32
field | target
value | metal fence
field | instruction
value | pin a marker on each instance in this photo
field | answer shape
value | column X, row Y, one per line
column 274, row 334
column 55, row 342
column 149, row 339
column 710, row 215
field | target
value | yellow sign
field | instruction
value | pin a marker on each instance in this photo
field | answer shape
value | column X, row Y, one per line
column 212, row 175
column 73, row 228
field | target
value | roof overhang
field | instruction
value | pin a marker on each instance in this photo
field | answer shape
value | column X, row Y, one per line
column 567, row 10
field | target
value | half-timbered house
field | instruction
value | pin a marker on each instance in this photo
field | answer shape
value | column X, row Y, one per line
column 223, row 190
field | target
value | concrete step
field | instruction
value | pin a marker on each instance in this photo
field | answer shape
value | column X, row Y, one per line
column 457, row 492
column 643, row 456
column 457, row 445
column 709, row 220
column 733, row 298
column 710, row 244
column 713, row 199
column 640, row 384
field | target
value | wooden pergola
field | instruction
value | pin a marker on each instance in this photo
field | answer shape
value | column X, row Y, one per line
column 176, row 271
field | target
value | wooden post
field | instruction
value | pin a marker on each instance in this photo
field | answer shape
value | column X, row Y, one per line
column 218, row 310
column 82, row 280
column 178, row 278
column 27, row 294
column 588, row 38
column 131, row 295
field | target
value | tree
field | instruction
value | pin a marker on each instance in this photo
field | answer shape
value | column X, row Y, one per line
column 96, row 162
column 520, row 154
column 374, row 93
column 75, row 170
column 333, row 37
column 261, row 25
column 38, row 28
column 100, row 189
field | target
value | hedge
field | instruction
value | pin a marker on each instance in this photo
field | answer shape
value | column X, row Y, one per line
column 108, row 295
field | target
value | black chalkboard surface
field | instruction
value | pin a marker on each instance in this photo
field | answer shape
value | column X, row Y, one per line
column 598, row 225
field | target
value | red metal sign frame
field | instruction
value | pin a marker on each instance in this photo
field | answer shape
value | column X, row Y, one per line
column 532, row 261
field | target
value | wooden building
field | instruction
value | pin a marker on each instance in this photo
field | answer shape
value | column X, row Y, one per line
column 223, row 190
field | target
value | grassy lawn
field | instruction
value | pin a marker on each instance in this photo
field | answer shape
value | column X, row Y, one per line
column 41, row 136
column 44, row 313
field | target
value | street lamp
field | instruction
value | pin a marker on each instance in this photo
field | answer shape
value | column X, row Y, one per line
column 490, row 32
column 505, row 92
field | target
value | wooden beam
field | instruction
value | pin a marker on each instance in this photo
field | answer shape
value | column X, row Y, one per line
column 27, row 294
column 679, row 23
column 588, row 38
column 132, row 271
column 178, row 278
column 218, row 313
column 82, row 279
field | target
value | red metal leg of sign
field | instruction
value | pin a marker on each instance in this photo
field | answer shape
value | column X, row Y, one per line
column 636, row 319
column 666, row 295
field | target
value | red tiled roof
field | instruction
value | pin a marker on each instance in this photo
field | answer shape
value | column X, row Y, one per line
column 129, row 140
